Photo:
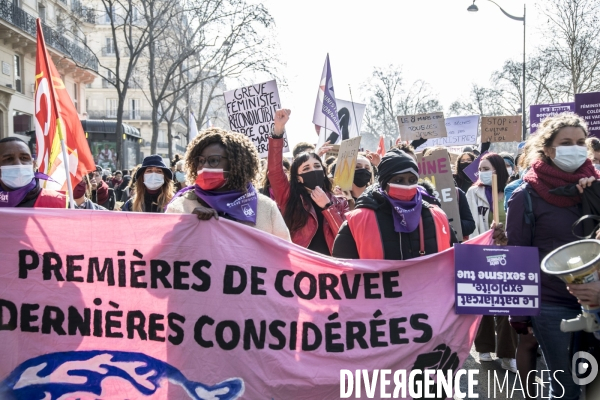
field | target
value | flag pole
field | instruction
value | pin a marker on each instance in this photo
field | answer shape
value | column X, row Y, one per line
column 353, row 110
column 59, row 128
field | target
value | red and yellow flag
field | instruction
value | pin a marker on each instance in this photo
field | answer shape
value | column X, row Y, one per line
column 56, row 119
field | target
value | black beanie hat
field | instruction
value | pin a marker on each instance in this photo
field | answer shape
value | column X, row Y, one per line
column 395, row 162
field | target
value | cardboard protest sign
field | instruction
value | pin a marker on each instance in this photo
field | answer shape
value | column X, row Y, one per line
column 346, row 163
column 422, row 126
column 501, row 129
column 436, row 169
column 539, row 112
column 334, row 152
column 497, row 280
column 238, row 314
column 251, row 111
column 587, row 105
column 461, row 131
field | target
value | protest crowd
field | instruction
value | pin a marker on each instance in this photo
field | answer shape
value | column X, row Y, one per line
column 389, row 213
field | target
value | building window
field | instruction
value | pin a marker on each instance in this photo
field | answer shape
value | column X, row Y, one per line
column 42, row 12
column 109, row 80
column 76, row 96
column 109, row 48
column 111, row 108
column 134, row 108
column 18, row 82
column 21, row 122
column 107, row 16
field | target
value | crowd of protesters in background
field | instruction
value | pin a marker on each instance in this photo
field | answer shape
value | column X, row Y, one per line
column 389, row 212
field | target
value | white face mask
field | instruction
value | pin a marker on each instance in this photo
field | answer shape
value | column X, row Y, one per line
column 510, row 171
column 570, row 158
column 153, row 180
column 486, row 177
column 597, row 166
column 16, row 176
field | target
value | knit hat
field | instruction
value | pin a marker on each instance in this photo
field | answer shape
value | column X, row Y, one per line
column 154, row 161
column 395, row 162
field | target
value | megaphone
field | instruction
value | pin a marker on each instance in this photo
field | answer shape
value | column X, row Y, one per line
column 577, row 262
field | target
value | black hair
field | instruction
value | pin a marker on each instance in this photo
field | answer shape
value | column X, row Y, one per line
column 295, row 215
column 501, row 172
column 13, row 139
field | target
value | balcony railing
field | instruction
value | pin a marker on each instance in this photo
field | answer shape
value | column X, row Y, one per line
column 84, row 13
column 19, row 18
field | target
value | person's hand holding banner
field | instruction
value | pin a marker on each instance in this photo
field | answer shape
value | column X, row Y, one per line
column 281, row 118
column 499, row 235
column 205, row 213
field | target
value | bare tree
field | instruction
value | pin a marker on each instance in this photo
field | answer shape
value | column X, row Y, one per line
column 573, row 37
column 388, row 98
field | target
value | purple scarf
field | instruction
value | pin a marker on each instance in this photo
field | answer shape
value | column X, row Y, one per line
column 235, row 204
column 407, row 214
column 15, row 197
column 490, row 198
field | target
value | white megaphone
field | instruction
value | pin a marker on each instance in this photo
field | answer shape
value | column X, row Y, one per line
column 577, row 262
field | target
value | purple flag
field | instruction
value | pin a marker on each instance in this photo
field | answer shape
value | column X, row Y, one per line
column 326, row 113
column 472, row 170
column 497, row 280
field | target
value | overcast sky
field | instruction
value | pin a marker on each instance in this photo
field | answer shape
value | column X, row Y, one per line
column 434, row 40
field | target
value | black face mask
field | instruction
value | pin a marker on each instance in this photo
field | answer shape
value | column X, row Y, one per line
column 463, row 165
column 362, row 177
column 312, row 179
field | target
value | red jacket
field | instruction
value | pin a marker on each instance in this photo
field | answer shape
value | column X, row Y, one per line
column 334, row 216
column 50, row 199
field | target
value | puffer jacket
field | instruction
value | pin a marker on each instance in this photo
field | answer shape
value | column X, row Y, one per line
column 333, row 217
column 396, row 246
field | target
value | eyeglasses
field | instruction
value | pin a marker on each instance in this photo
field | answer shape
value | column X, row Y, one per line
column 213, row 161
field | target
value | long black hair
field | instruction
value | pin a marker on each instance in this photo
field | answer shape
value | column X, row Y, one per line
column 295, row 215
column 501, row 171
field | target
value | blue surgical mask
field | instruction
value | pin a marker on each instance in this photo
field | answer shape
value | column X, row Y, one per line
column 486, row 177
column 570, row 158
column 153, row 180
column 180, row 176
column 16, row 176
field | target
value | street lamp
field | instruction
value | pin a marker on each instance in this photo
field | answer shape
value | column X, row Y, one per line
column 473, row 8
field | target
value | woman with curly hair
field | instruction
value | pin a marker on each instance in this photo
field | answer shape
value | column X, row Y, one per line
column 153, row 187
column 224, row 165
column 310, row 209
column 541, row 213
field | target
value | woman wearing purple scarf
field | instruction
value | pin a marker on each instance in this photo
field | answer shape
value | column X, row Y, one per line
column 224, row 166
column 408, row 226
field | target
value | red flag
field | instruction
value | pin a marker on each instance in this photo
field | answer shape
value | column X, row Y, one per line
column 381, row 147
column 56, row 119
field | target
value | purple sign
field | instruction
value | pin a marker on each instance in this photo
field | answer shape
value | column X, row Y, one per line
column 497, row 280
column 472, row 170
column 587, row 105
column 537, row 113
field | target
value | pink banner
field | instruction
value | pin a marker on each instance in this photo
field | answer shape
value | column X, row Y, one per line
column 110, row 305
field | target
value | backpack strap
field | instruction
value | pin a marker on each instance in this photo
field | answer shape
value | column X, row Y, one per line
column 528, row 215
column 421, row 238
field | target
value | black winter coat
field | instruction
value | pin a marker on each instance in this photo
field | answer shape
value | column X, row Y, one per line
column 396, row 246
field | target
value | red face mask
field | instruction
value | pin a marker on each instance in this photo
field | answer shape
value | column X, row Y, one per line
column 401, row 192
column 211, row 179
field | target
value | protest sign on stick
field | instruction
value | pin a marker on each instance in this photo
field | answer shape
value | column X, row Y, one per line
column 497, row 280
column 461, row 131
column 422, row 126
column 501, row 129
column 539, row 112
column 587, row 105
column 346, row 163
column 251, row 111
column 84, row 315
column 436, row 169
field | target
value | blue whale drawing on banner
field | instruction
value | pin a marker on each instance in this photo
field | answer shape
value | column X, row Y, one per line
column 81, row 373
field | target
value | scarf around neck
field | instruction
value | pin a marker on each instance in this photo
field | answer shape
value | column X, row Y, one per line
column 544, row 178
column 407, row 214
